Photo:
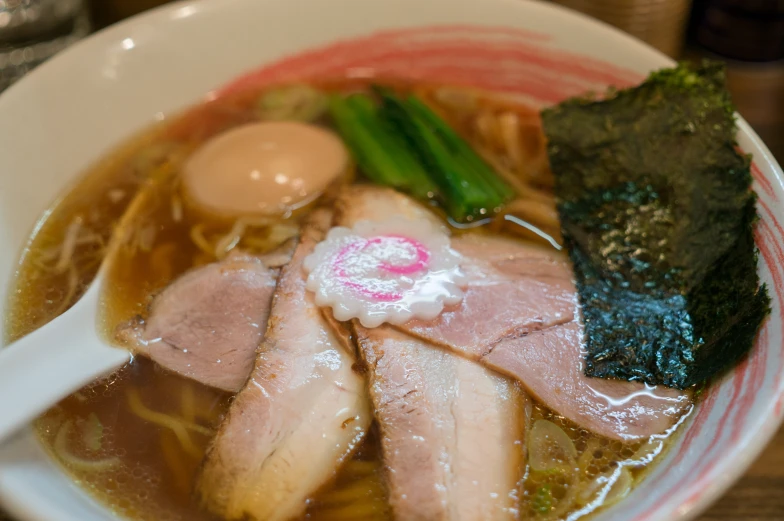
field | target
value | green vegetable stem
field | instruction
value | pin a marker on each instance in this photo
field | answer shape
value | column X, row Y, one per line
column 402, row 143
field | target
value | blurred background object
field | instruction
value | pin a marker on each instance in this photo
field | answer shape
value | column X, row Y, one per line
column 749, row 30
column 33, row 30
column 660, row 23
column 106, row 12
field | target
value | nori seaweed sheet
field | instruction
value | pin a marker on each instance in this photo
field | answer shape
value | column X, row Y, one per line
column 657, row 213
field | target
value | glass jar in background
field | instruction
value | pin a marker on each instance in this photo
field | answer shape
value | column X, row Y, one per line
column 33, row 30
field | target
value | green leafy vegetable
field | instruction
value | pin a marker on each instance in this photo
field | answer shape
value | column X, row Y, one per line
column 470, row 187
column 402, row 143
column 657, row 213
column 381, row 154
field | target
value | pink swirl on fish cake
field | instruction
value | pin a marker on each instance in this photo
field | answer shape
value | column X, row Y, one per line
column 385, row 272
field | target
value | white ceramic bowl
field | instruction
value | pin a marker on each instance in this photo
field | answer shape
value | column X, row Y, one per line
column 69, row 112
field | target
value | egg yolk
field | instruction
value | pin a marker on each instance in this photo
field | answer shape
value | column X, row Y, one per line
column 264, row 168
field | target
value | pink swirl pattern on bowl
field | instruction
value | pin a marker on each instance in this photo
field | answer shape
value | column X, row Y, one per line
column 716, row 440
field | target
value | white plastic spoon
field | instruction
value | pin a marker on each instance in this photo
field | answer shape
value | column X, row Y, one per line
column 66, row 354
column 54, row 361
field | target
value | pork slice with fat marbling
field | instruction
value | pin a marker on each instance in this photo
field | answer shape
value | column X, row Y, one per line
column 299, row 416
column 208, row 323
column 451, row 431
column 515, row 290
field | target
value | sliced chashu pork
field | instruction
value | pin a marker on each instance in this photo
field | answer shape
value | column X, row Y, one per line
column 520, row 317
column 208, row 323
column 545, row 352
column 300, row 415
column 452, row 431
column 526, row 290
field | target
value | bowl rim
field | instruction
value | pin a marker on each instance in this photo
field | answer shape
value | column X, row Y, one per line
column 723, row 475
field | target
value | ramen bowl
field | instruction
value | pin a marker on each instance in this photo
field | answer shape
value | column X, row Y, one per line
column 71, row 111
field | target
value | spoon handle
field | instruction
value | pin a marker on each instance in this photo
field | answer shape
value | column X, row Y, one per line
column 54, row 361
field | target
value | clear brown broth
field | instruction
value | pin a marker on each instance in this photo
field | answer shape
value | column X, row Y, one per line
column 154, row 476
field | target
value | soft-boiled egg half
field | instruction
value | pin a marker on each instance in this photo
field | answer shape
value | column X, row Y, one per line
column 264, row 168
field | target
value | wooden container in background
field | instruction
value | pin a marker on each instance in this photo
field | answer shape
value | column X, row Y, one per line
column 660, row 23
